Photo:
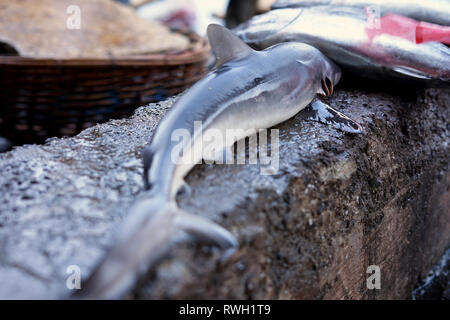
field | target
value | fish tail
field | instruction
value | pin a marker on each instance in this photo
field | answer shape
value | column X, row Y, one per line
column 142, row 242
column 206, row 230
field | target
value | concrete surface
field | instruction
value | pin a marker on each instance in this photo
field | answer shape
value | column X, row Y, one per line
column 339, row 203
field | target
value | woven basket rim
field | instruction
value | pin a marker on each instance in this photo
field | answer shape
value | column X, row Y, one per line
column 198, row 51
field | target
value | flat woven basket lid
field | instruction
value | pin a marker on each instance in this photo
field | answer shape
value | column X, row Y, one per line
column 46, row 29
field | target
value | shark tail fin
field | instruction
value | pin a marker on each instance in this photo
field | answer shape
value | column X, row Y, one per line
column 142, row 241
column 206, row 230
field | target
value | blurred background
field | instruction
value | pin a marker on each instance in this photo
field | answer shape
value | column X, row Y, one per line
column 66, row 65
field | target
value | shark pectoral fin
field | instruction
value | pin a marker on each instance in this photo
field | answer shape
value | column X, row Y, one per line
column 323, row 113
column 147, row 156
column 205, row 230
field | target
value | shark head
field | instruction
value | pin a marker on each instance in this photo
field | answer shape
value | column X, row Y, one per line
column 309, row 56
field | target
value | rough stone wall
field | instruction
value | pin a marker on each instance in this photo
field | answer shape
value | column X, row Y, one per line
column 338, row 204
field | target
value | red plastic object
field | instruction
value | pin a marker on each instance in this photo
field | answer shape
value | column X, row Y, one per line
column 410, row 29
column 432, row 32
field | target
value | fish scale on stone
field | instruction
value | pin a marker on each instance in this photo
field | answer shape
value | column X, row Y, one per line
column 247, row 90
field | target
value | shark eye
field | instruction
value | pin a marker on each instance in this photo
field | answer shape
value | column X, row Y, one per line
column 257, row 80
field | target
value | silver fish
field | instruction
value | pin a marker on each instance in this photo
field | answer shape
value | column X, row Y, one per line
column 434, row 11
column 341, row 33
column 248, row 89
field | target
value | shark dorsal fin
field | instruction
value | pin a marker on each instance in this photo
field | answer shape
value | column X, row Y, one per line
column 226, row 45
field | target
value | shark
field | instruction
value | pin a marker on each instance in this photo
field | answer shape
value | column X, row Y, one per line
column 246, row 89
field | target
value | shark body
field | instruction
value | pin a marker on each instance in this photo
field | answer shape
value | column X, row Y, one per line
column 247, row 89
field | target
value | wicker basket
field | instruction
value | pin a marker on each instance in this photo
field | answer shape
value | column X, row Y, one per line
column 41, row 98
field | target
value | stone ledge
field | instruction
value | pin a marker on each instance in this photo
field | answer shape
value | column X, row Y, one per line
column 338, row 204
